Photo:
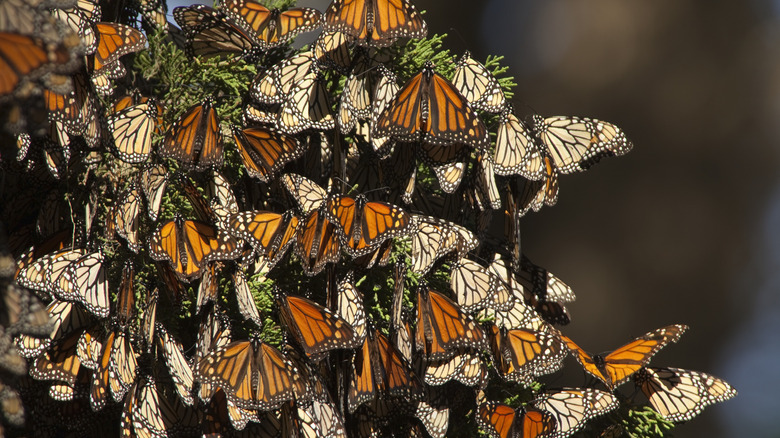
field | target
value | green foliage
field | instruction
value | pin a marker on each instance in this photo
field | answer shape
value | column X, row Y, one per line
column 643, row 422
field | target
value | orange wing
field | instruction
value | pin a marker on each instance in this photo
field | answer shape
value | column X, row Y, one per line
column 114, row 41
column 430, row 109
column 616, row 367
column 443, row 326
column 497, row 419
column 536, row 423
column 315, row 327
column 397, row 377
column 362, row 387
column 268, row 232
column 189, row 244
column 272, row 27
column 365, row 225
column 277, row 377
column 318, row 243
column 264, row 152
column 195, row 139
column 230, row 368
column 522, row 355
column 375, row 22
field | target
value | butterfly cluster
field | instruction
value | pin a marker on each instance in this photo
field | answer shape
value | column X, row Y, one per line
column 206, row 232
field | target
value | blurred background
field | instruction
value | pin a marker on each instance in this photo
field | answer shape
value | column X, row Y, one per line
column 686, row 227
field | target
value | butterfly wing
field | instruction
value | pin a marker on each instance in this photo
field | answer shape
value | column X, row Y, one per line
column 575, row 143
column 620, row 364
column 680, row 395
column 478, row 85
column 315, row 327
column 571, row 408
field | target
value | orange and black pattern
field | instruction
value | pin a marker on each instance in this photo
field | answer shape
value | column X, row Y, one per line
column 205, row 230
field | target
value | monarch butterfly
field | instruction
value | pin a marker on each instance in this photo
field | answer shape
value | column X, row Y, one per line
column 116, row 369
column 125, row 303
column 307, row 106
column 126, row 216
column 132, row 130
column 486, row 192
column 502, row 421
column 385, row 90
column 315, row 327
column 149, row 412
column 269, row 233
column 375, row 23
column 113, row 359
column 331, row 48
column 365, row 225
column 253, row 374
column 435, row 238
column 379, row 369
column 516, row 153
column 616, row 367
column 680, row 395
column 575, row 143
column 476, row 287
column 179, row 368
column 317, row 242
column 429, row 109
column 478, row 85
column 188, row 245
column 443, row 326
column 521, row 355
column 246, row 302
column 465, row 366
column 154, row 180
column 84, row 280
column 271, row 27
column 276, row 84
column 355, row 103
column 195, row 139
column 210, row 35
column 114, row 40
column 572, row 407
column 350, row 306
column 264, row 152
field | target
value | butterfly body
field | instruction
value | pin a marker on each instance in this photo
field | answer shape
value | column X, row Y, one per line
column 375, row 22
column 617, row 366
column 429, row 108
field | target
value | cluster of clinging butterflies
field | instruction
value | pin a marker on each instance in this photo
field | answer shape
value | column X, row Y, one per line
column 427, row 174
